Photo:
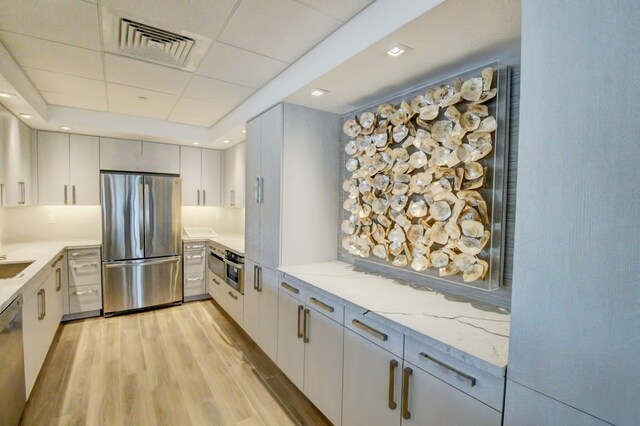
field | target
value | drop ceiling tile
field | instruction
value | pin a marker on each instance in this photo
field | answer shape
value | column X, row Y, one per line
column 52, row 56
column 203, row 17
column 229, row 63
column 126, row 100
column 95, row 103
column 66, row 84
column 283, row 30
column 339, row 9
column 132, row 72
column 72, row 22
column 220, row 92
column 198, row 113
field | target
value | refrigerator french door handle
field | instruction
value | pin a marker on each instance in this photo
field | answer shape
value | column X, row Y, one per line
column 146, row 212
column 120, row 264
column 141, row 218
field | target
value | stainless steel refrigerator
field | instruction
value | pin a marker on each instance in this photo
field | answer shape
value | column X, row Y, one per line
column 141, row 241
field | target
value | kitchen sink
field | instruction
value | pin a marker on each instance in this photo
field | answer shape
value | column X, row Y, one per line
column 12, row 269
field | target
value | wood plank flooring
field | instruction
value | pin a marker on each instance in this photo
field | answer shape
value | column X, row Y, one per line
column 184, row 365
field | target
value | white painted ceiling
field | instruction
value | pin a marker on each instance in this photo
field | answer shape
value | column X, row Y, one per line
column 263, row 52
column 59, row 45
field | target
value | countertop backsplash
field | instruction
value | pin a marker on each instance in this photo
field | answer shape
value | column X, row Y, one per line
column 48, row 223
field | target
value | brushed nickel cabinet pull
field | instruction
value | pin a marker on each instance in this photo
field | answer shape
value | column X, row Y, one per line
column 291, row 288
column 259, row 279
column 406, row 414
column 83, row 292
column 204, row 197
column 470, row 380
column 198, row 197
column 255, row 277
column 216, row 281
column 85, row 265
column 195, row 256
column 375, row 333
column 322, row 305
column 66, row 199
column 300, row 309
column 232, row 195
column 233, row 295
column 306, row 326
column 21, row 190
column 392, row 384
column 194, row 279
column 58, row 279
column 40, row 301
column 73, row 194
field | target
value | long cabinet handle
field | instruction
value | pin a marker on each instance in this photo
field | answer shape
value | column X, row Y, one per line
column 291, row 288
column 198, row 197
column 58, row 279
column 86, row 265
column 257, row 190
column 204, row 197
column 255, row 277
column 21, row 190
column 41, row 306
column 233, row 295
column 392, row 384
column 305, row 339
column 86, row 254
column 375, row 333
column 300, row 309
column 232, row 195
column 259, row 279
column 195, row 256
column 470, row 380
column 66, row 198
column 216, row 281
column 194, row 279
column 406, row 414
column 73, row 194
column 83, row 292
column 321, row 305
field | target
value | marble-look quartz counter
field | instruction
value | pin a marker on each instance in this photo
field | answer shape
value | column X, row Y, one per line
column 471, row 331
column 233, row 242
column 41, row 253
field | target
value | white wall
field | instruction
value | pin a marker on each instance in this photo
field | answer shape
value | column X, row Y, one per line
column 26, row 224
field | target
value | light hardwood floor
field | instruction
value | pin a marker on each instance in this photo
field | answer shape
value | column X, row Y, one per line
column 184, row 365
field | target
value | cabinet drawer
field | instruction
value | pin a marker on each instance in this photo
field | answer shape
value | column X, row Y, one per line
column 234, row 304
column 293, row 289
column 326, row 306
column 195, row 246
column 85, row 253
column 195, row 285
column 84, row 271
column 84, row 299
column 470, row 380
column 383, row 336
column 195, row 262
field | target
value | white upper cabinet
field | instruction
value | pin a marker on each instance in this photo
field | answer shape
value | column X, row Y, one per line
column 120, row 154
column 201, row 173
column 16, row 170
column 234, row 175
column 68, row 169
column 211, row 177
column 291, row 181
column 160, row 158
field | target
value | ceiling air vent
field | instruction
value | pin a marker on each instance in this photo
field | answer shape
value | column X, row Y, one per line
column 154, row 43
column 128, row 37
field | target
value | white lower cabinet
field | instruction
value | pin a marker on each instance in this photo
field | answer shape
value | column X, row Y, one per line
column 324, row 340
column 428, row 400
column 290, row 337
column 85, row 281
column 261, row 306
column 371, row 384
column 216, row 289
column 42, row 312
column 195, row 270
column 234, row 304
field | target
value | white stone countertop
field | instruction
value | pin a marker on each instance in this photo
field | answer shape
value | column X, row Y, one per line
column 233, row 242
column 41, row 253
column 473, row 332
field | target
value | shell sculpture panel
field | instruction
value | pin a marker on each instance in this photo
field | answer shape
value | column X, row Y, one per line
column 415, row 170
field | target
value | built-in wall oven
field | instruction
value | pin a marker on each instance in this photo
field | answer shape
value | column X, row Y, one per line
column 216, row 261
column 234, row 270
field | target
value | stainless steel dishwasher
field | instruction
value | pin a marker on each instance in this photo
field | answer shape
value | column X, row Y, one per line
column 12, row 387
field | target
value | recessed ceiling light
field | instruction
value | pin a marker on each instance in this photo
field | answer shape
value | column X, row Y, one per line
column 398, row 49
column 65, row 128
column 143, row 98
column 25, row 115
column 319, row 92
column 196, row 143
column 5, row 95
column 244, row 131
column 226, row 141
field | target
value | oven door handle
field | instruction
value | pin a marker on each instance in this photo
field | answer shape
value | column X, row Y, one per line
column 235, row 265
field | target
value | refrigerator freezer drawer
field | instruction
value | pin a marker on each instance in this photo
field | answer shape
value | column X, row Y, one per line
column 141, row 283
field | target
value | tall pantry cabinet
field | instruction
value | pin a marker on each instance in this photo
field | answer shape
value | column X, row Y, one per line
column 291, row 191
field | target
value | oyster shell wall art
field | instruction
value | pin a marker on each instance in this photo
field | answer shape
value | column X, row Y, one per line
column 424, row 177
